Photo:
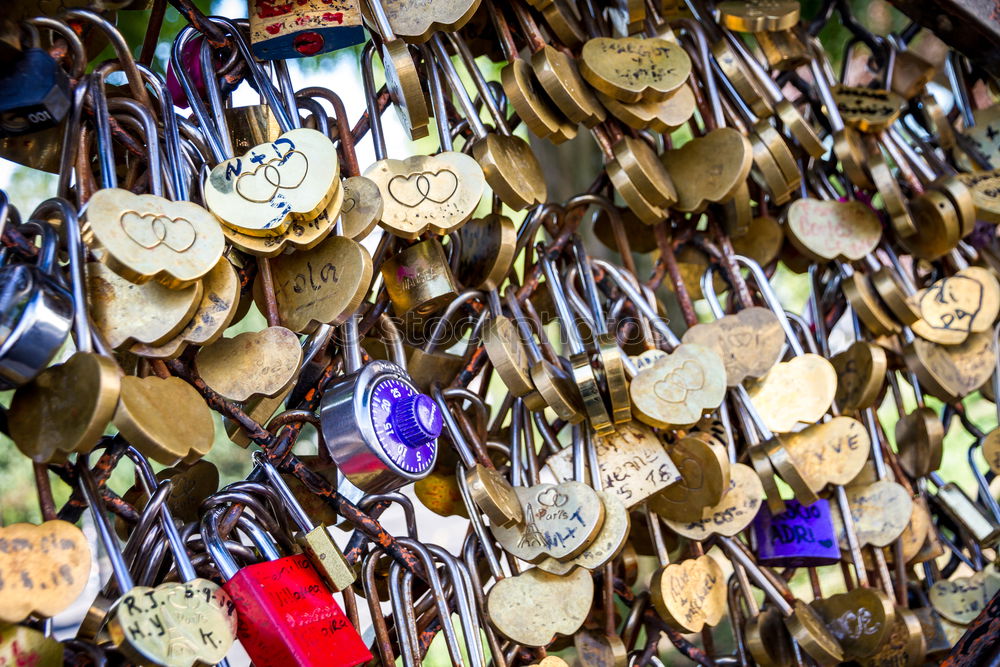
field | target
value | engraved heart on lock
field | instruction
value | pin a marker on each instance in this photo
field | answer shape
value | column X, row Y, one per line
column 427, row 192
column 749, row 342
column 678, row 383
column 150, row 230
column 286, row 171
column 259, row 192
column 560, row 520
column 145, row 236
column 677, row 389
column 412, row 190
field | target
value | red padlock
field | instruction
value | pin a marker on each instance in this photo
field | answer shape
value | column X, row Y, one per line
column 287, row 615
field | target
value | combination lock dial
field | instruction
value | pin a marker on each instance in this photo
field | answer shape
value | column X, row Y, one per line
column 379, row 430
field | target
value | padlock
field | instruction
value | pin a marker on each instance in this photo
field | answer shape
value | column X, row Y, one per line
column 35, row 94
column 43, row 149
column 301, row 164
column 201, row 613
column 964, row 512
column 37, row 310
column 487, row 487
column 286, row 613
column 316, row 541
column 201, row 616
column 281, row 30
column 801, row 536
column 379, row 429
column 419, row 280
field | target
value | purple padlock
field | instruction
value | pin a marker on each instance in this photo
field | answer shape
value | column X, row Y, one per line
column 801, row 536
column 191, row 57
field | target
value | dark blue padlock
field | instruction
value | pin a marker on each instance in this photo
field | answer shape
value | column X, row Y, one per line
column 34, row 94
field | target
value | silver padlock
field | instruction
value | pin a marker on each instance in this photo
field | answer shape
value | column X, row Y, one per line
column 36, row 310
column 379, row 429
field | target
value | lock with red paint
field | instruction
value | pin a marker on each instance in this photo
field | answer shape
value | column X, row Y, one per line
column 287, row 615
column 280, row 29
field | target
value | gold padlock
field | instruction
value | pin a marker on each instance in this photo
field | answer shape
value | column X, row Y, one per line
column 419, row 279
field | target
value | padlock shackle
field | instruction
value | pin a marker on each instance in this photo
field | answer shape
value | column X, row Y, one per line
column 461, row 446
column 97, row 93
column 704, row 61
column 278, row 483
column 483, row 535
column 57, row 207
column 574, row 342
column 433, row 578
column 214, row 545
column 212, row 127
column 401, row 600
column 440, row 109
column 461, row 586
column 122, row 51
column 397, row 498
column 265, row 546
column 371, row 103
column 264, row 84
column 88, row 487
column 77, row 51
column 639, row 302
column 486, row 91
column 144, row 118
column 447, row 67
column 171, row 133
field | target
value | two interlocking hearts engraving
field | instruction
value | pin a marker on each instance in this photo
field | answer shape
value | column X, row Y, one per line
column 151, row 230
column 676, row 385
column 284, row 172
column 414, row 189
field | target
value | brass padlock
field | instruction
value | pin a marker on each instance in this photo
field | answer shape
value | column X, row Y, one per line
column 965, row 513
column 419, row 279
